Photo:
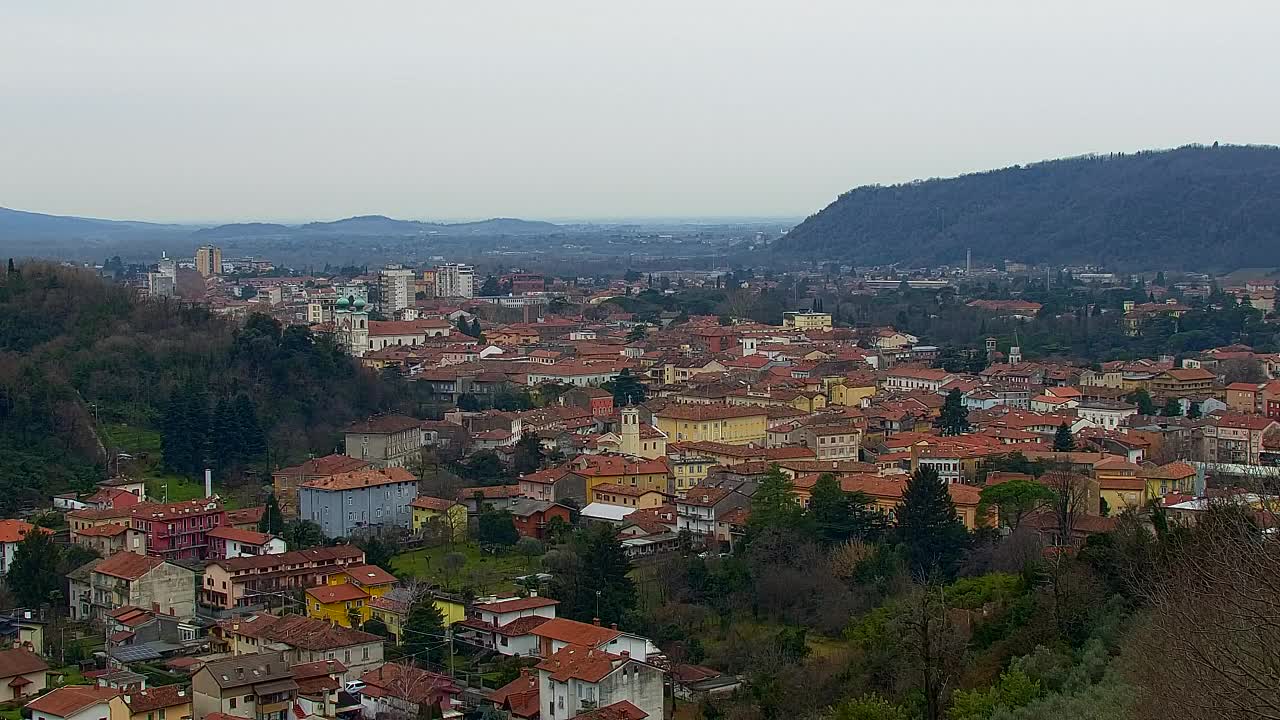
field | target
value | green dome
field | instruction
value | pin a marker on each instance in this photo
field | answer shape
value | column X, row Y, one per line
column 359, row 303
column 343, row 302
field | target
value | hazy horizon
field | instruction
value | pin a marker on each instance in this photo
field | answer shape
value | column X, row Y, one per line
column 568, row 110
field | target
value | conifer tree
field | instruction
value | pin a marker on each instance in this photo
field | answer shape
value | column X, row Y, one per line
column 1062, row 439
column 927, row 526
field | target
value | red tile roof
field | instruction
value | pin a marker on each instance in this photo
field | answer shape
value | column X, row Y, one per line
column 156, row 697
column 576, row 633
column 517, row 604
column 346, row 592
column 327, row 465
column 698, row 413
column 361, row 479
column 383, row 425
column 621, row 710
column 245, row 537
column 578, row 662
column 65, row 701
column 368, row 575
column 426, row 502
column 128, row 566
column 20, row 662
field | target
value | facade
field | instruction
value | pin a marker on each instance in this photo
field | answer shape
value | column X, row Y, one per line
column 1106, row 414
column 138, row 580
column 396, row 286
column 733, row 425
column 22, row 673
column 577, row 680
column 385, row 440
column 258, row 686
column 359, row 501
column 348, row 595
column 832, row 442
column 164, row 702
column 173, row 531
column 304, row 640
column 285, row 481
column 209, row 260
column 351, row 325
column 531, row 517
column 395, row 690
column 702, row 507
column 807, row 320
column 446, row 517
column 230, row 542
column 73, row 702
column 244, row 581
column 455, row 281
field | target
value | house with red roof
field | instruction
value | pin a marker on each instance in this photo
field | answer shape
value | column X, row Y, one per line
column 228, row 542
column 584, row 681
column 13, row 532
column 129, row 579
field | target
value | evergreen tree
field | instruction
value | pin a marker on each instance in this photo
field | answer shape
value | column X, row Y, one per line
column 225, row 435
column 1172, row 408
column 1063, row 440
column 639, row 332
column 627, row 389
column 272, row 519
column 1193, row 411
column 774, row 505
column 837, row 516
column 528, row 454
column 250, row 437
column 33, row 575
column 173, row 433
column 423, row 633
column 462, row 326
column 496, row 527
column 954, row 418
column 596, row 576
column 927, row 525
column 468, row 402
column 490, row 287
column 476, row 331
column 1142, row 399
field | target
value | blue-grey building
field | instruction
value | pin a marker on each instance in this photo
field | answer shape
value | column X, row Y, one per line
column 359, row 501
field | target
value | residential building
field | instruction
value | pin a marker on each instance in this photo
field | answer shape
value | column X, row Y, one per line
column 405, row 333
column 555, row 484
column 622, row 470
column 445, row 519
column 285, row 481
column 209, row 260
column 12, row 532
column 360, row 501
column 393, row 609
column 1181, row 383
column 73, row 702
column 730, row 424
column 385, row 440
column 395, row 286
column 174, row 530
column 259, row 686
column 908, row 378
column 455, row 281
column 1108, row 414
column 230, row 542
column 22, row 673
column 304, row 640
column 395, row 690
column 1246, row 398
column 531, row 517
column 579, row 681
column 807, row 321
column 142, row 581
column 627, row 496
column 701, row 507
column 318, row 686
column 111, row 538
column 506, row 626
column 244, row 581
column 162, row 702
column 346, row 597
column 832, row 442
column 1235, row 439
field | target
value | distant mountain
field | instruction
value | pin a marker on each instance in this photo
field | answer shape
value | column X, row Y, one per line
column 505, row 226
column 19, row 223
column 240, row 230
column 1193, row 208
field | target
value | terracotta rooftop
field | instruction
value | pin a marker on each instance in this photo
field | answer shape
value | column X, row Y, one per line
column 128, row 566
column 327, row 465
column 346, row 592
column 383, row 425
column 245, row 537
column 698, row 413
column 426, row 502
column 516, row 604
column 156, row 697
column 578, row 662
column 67, row 701
column 367, row 575
column 361, row 479
column 576, row 633
column 20, row 662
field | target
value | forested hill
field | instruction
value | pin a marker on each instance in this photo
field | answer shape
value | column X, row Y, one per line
column 1191, row 208
column 72, row 345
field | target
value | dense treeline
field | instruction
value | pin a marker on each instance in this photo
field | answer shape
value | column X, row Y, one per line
column 77, row 352
column 1193, row 208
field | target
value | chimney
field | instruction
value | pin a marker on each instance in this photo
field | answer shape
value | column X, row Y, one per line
column 128, row 699
column 208, row 483
column 533, row 593
column 595, row 621
column 182, row 693
column 626, row 654
column 613, row 626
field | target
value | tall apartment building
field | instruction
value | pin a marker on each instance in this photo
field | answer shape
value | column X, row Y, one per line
column 209, row 260
column 396, row 286
column 454, row 280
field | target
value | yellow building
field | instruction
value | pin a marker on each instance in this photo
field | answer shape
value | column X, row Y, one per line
column 732, row 424
column 393, row 611
column 851, row 393
column 640, row 474
column 627, row 496
column 448, row 516
column 348, row 594
column 807, row 320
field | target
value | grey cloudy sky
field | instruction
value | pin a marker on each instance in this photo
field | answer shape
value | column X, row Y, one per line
column 594, row 108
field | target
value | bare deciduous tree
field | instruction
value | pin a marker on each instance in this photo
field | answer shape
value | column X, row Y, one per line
column 1208, row 646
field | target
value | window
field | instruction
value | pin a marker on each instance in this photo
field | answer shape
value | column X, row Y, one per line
column 161, row 713
column 248, row 699
column 364, row 655
column 232, row 704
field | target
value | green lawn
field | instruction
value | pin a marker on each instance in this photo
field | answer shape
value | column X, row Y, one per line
column 139, row 441
column 483, row 572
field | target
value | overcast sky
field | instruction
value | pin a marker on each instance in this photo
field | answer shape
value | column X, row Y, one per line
column 436, row 109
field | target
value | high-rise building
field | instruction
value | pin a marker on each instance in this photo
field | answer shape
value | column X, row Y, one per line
column 164, row 281
column 209, row 260
column 396, row 286
column 455, row 281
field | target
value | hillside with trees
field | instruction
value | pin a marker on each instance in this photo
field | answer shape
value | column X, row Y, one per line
column 1194, row 208
column 78, row 354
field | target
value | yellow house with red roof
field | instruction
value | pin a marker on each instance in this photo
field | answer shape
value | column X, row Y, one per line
column 348, row 594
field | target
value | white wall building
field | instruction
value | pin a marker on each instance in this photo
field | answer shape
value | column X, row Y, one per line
column 454, row 280
column 396, row 286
